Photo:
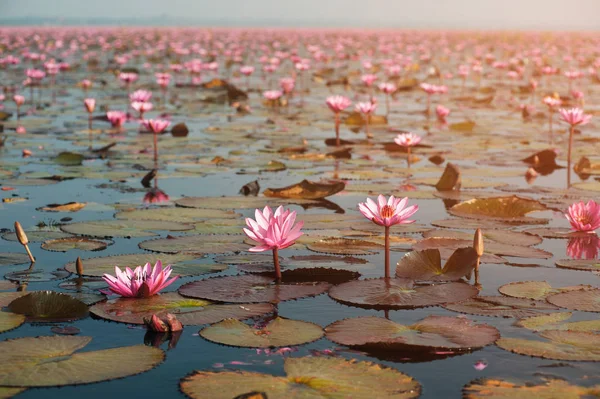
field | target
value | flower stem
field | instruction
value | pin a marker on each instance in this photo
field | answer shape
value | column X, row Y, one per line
column 276, row 263
column 571, row 131
column 408, row 156
column 337, row 129
column 387, row 251
column 90, row 129
column 155, row 148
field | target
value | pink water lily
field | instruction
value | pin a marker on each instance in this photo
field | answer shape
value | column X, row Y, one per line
column 142, row 282
column 337, row 104
column 574, row 116
column 141, row 107
column 584, row 217
column 273, row 231
column 90, row 104
column 116, row 118
column 156, row 126
column 141, row 96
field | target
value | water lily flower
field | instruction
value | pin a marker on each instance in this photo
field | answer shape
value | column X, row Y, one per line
column 366, row 108
column 407, row 140
column 584, row 217
column 273, row 231
column 142, row 282
column 156, row 126
column 337, row 104
column 388, row 212
column 155, row 196
column 90, row 104
column 573, row 117
column 442, row 112
column 141, row 96
column 116, row 118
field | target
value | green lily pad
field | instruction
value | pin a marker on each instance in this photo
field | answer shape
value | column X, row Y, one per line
column 13, row 258
column 9, row 321
column 122, row 228
column 562, row 345
column 209, row 244
column 37, row 235
column 69, row 159
column 579, row 264
column 511, row 209
column 587, row 300
column 73, row 243
column 181, row 215
column 538, row 290
column 554, row 321
column 550, row 389
column 49, row 306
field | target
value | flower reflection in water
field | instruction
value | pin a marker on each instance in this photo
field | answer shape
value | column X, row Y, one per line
column 583, row 247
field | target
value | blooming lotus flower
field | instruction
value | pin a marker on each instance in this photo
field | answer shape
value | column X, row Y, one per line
column 116, row 118
column 287, row 85
column 141, row 96
column 142, row 282
column 128, row 77
column 368, row 79
column 387, row 212
column 574, row 116
column 90, row 104
column 19, row 100
column 85, row 84
column 141, row 107
column 366, row 107
column 388, row 88
column 273, row 231
column 407, row 139
column 156, row 126
column 552, row 102
column 247, row 70
column 337, row 104
column 584, row 217
column 272, row 95
column 442, row 112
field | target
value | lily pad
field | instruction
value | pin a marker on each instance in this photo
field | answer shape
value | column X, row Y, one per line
column 37, row 235
column 48, row 306
column 188, row 311
column 180, row 215
column 13, row 258
column 500, row 236
column 123, row 228
column 494, row 248
column 562, row 345
column 550, row 389
column 51, row 361
column 230, row 202
column 579, row 264
column 69, row 159
column 427, row 265
column 277, row 333
column 511, row 209
column 306, row 190
column 587, row 300
column 250, row 289
column 554, row 321
column 501, row 306
column 68, row 207
column 71, row 243
column 209, row 244
column 345, row 246
column 9, row 321
column 396, row 293
column 535, row 289
column 307, row 377
column 36, row 275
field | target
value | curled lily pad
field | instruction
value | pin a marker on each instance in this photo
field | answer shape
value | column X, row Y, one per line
column 188, row 311
column 551, row 388
column 511, row 209
column 9, row 321
column 427, row 265
column 562, row 345
column 309, row 377
column 209, row 244
column 587, row 300
column 250, row 289
column 13, row 258
column 181, row 215
column 501, row 306
column 277, row 333
column 123, row 228
column 306, row 190
column 344, row 246
column 433, row 333
column 71, row 243
column 51, row 361
column 183, row 264
column 534, row 289
column 396, row 293
column 49, row 306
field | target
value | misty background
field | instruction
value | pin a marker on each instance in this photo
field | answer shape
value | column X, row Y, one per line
column 424, row 14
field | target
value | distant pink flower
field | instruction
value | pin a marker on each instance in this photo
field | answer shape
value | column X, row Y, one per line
column 584, row 217
column 86, row 84
column 442, row 112
column 21, row 130
column 368, row 79
column 407, row 139
column 90, row 104
column 577, row 94
column 156, row 126
column 552, row 102
column 141, row 107
column 155, row 196
column 388, row 88
column 128, row 77
column 247, row 70
column 26, row 153
column 272, row 95
column 338, row 103
column 480, row 365
column 366, row 108
column 141, row 96
column 287, row 84
column 142, row 282
column 35, row 74
column 116, row 118
column 19, row 100
column 388, row 212
column 574, row 116
column 273, row 230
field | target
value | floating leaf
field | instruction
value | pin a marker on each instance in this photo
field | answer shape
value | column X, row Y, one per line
column 13, row 258
column 183, row 264
column 495, row 248
column 209, row 244
column 221, row 202
column 550, row 389
column 396, row 293
column 36, row 275
column 501, row 306
column 49, row 306
column 188, row 311
column 69, row 159
column 243, row 259
column 450, row 179
column 249, row 289
column 180, row 215
column 534, row 289
column 68, row 207
column 327, row 261
column 51, row 361
column 71, row 243
column 553, row 321
column 9, row 321
column 37, row 235
column 344, row 246
column 462, row 127
column 306, row 190
column 587, row 300
column 122, row 228
column 307, row 377
column 579, row 264
column 277, row 333
column 511, row 209
column 563, row 345
column 499, row 236
column 427, row 265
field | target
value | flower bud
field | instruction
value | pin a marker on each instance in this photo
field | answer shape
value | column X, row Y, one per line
column 79, row 266
column 21, row 236
column 478, row 242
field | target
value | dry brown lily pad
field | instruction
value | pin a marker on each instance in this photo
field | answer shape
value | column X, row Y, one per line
column 554, row 321
column 450, row 179
column 562, row 345
column 501, row 306
column 427, row 265
column 549, row 389
column 579, row 264
column 250, row 289
column 397, row 293
column 511, row 209
column 587, row 300
column 538, row 290
column 306, row 190
column 68, row 207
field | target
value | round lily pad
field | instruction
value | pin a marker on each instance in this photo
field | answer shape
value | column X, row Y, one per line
column 471, row 224
column 51, row 361
column 534, row 289
column 234, row 202
column 396, row 293
column 587, row 300
column 433, row 333
column 183, row 264
column 562, row 345
column 501, row 306
column 9, row 321
column 557, row 232
column 188, row 311
column 209, row 244
column 36, row 235
column 554, row 321
column 71, row 243
column 511, row 209
column 579, row 264
column 181, row 215
column 250, row 289
column 277, row 333
column 8, row 297
column 49, row 306
column 344, row 246
column 306, row 377
column 123, row 228
column 328, row 261
column 500, row 236
column 427, row 265
column 244, row 259
column 36, row 275
column 13, row 258
column 549, row 389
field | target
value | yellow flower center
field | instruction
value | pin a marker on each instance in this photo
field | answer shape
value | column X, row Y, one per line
column 387, row 211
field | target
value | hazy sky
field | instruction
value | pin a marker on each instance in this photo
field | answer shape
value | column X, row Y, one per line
column 468, row 14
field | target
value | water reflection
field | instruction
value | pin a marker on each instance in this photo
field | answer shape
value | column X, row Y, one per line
column 585, row 247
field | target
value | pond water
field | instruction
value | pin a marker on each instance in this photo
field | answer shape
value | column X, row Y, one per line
column 236, row 136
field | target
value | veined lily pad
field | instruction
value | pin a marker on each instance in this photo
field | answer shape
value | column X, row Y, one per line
column 562, row 345
column 183, row 264
column 535, row 289
column 433, row 333
column 51, row 361
column 501, row 306
column 249, row 289
column 587, row 300
column 188, row 311
column 209, row 244
column 550, row 389
column 277, row 333
column 37, row 235
column 553, row 321
column 579, row 264
column 511, row 209
column 344, row 246
column 9, row 321
column 396, row 293
column 13, row 258
column 181, row 215
column 49, row 306
column 123, row 228
column 427, row 265
column 307, row 377
column 71, row 243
